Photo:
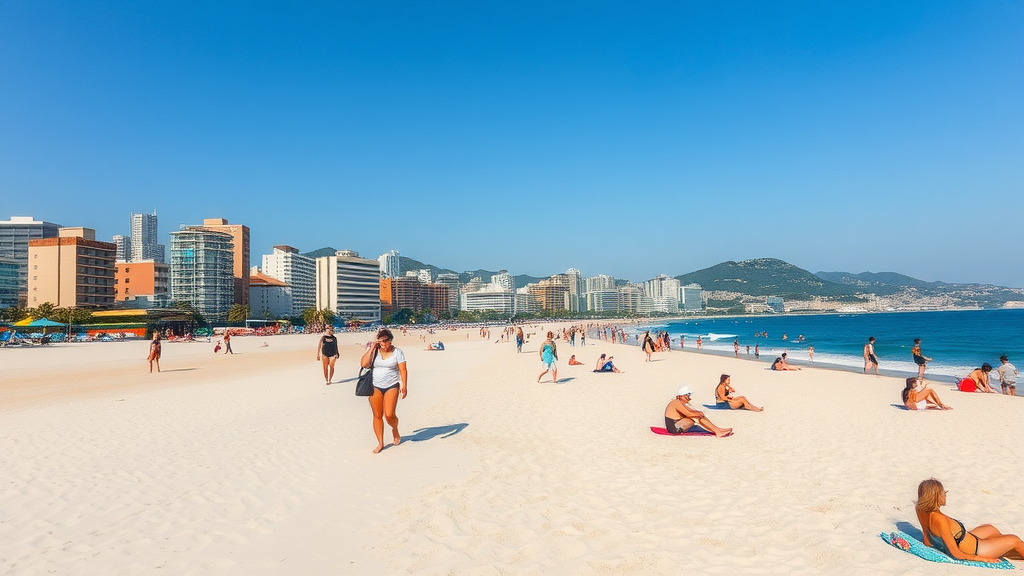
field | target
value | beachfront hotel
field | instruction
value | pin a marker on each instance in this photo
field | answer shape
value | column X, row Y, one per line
column 691, row 298
column 269, row 297
column 142, row 283
column 349, row 285
column 408, row 292
column 201, row 270
column 14, row 238
column 491, row 298
column 295, row 270
column 72, row 270
column 240, row 254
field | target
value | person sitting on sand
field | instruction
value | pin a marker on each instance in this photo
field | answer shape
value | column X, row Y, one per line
column 680, row 417
column 574, row 362
column 918, row 396
column 781, row 364
column 606, row 365
column 724, row 396
column 979, row 377
column 435, row 346
column 982, row 544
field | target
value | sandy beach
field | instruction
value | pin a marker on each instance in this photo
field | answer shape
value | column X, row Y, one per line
column 249, row 464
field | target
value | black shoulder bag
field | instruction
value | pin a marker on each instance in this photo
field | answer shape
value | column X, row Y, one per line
column 364, row 387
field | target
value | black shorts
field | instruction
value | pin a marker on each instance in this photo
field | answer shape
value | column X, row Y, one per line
column 919, row 360
column 670, row 426
column 872, row 359
column 385, row 390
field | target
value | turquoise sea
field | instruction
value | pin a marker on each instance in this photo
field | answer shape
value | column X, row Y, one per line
column 958, row 341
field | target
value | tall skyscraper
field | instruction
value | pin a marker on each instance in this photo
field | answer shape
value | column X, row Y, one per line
column 144, row 241
column 505, row 280
column 124, row 247
column 8, row 282
column 14, row 238
column 452, row 282
column 240, row 268
column 389, row 265
column 295, row 270
column 201, row 270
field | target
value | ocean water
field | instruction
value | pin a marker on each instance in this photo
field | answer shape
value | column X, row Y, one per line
column 957, row 341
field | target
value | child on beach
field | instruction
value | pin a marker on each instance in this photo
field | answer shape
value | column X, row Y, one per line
column 1007, row 376
column 920, row 359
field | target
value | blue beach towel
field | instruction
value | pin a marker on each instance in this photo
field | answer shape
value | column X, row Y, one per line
column 910, row 544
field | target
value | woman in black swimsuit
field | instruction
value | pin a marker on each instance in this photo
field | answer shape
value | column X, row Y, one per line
column 983, row 544
column 327, row 352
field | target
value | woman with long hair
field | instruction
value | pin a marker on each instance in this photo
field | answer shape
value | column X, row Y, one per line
column 647, row 345
column 724, row 396
column 918, row 396
column 390, row 378
column 982, row 544
column 549, row 356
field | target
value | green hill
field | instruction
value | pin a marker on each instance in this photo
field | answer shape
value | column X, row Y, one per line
column 766, row 277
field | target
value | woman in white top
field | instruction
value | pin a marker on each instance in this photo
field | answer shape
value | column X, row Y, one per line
column 390, row 379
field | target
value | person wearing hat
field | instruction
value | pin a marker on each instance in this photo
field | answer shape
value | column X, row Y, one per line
column 680, row 417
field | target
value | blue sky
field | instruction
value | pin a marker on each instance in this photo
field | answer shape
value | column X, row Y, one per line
column 628, row 139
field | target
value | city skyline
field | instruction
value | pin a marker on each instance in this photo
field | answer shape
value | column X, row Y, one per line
column 630, row 142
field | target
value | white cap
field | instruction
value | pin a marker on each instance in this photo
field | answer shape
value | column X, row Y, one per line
column 683, row 391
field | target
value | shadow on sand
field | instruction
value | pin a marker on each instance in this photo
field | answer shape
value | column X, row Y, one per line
column 434, row 431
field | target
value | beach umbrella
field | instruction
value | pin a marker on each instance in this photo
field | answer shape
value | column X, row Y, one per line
column 43, row 323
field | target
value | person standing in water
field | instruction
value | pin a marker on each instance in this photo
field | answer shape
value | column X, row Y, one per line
column 327, row 352
column 154, row 352
column 548, row 356
column 810, row 352
column 919, row 358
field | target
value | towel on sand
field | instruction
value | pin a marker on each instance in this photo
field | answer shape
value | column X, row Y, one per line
column 909, row 544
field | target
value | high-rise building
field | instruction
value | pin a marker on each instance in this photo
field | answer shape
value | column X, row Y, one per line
column 452, row 282
column 72, row 270
column 572, row 281
column 602, row 300
column 8, row 282
column 399, row 293
column 505, row 280
column 124, row 248
column 240, row 258
column 269, row 297
column 389, row 264
column 490, row 299
column 145, row 243
column 691, row 297
column 143, row 283
column 201, row 270
column 599, row 282
column 14, row 237
column 295, row 270
column 349, row 285
column 425, row 276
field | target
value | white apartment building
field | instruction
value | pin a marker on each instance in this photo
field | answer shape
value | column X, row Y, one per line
column 505, row 280
column 144, row 240
column 389, row 264
column 602, row 300
column 295, row 270
column 349, row 285
column 691, row 298
column 269, row 297
column 599, row 282
column 526, row 301
column 490, row 298
column 425, row 276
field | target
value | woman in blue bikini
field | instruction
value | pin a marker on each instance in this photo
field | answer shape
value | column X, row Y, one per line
column 983, row 544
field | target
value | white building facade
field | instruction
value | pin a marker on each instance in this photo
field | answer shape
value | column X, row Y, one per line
column 269, row 298
column 349, row 285
column 389, row 264
column 295, row 270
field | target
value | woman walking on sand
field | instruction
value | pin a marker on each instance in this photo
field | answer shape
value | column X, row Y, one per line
column 327, row 352
column 520, row 338
column 548, row 356
column 154, row 352
column 227, row 343
column 647, row 346
column 390, row 378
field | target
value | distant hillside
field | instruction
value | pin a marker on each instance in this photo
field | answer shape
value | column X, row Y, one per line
column 881, row 283
column 328, row 251
column 405, row 264
column 765, row 277
column 485, row 275
column 890, row 283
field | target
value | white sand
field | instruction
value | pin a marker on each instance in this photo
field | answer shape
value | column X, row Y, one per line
column 248, row 464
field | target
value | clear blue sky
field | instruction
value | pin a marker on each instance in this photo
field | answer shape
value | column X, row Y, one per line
column 628, row 139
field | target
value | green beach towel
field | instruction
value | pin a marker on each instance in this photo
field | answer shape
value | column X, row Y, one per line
column 910, row 544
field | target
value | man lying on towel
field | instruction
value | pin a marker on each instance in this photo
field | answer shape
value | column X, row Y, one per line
column 680, row 417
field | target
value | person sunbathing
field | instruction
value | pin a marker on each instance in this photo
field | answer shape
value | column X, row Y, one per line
column 606, row 365
column 574, row 362
column 435, row 346
column 781, row 365
column 979, row 376
column 680, row 417
column 983, row 544
column 919, row 396
column 724, row 396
